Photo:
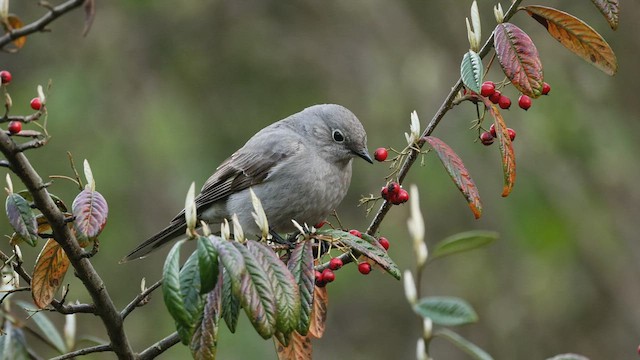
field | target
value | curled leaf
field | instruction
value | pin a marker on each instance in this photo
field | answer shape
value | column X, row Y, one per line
column 299, row 348
column 51, row 266
column 577, row 36
column 458, row 173
column 610, row 10
column 518, row 56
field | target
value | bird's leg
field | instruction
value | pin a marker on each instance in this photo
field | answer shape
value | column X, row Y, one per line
column 277, row 238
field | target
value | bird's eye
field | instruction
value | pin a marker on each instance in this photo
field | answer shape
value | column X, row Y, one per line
column 337, row 136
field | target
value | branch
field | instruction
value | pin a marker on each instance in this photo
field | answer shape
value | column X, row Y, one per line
column 85, row 351
column 40, row 24
column 104, row 306
column 139, row 299
column 444, row 108
column 159, row 347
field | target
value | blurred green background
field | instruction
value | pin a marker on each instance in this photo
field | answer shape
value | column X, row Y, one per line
column 160, row 92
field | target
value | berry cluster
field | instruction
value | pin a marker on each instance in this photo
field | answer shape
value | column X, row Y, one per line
column 328, row 275
column 487, row 137
column 394, row 193
column 488, row 90
column 36, row 104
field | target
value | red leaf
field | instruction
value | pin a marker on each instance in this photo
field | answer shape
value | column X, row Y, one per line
column 610, row 10
column 577, row 36
column 458, row 172
column 506, row 148
column 51, row 266
column 519, row 59
column 90, row 210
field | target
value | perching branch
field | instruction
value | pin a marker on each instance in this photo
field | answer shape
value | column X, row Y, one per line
column 139, row 300
column 40, row 24
column 159, row 347
column 85, row 351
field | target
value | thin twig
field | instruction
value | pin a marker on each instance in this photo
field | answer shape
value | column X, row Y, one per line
column 85, row 351
column 40, row 24
column 138, row 299
column 159, row 347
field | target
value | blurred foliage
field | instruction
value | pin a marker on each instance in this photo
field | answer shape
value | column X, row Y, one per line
column 160, row 92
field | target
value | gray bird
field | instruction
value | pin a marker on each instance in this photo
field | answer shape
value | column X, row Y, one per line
column 299, row 167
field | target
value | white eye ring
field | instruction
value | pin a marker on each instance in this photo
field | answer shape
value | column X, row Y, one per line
column 338, row 136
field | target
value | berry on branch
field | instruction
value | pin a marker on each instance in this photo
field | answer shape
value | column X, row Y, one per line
column 512, row 134
column 384, row 242
column 546, row 88
column 355, row 233
column 36, row 103
column 504, row 102
column 14, row 127
column 488, row 88
column 328, row 275
column 486, row 138
column 524, row 102
column 364, row 268
column 381, row 154
column 335, row 264
column 5, row 77
column 495, row 97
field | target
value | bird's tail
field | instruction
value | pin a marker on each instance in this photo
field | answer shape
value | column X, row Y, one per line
column 167, row 234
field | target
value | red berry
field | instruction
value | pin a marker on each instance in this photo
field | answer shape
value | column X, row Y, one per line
column 546, row 88
column 488, row 88
column 364, row 268
column 335, row 264
column 356, row 233
column 504, row 102
column 5, row 77
column 492, row 130
column 512, row 134
column 381, row 154
column 15, row 127
column 36, row 104
column 495, row 97
column 394, row 188
column 328, row 275
column 403, row 196
column 384, row 242
column 384, row 193
column 486, row 138
column 524, row 102
column 320, row 224
column 318, row 275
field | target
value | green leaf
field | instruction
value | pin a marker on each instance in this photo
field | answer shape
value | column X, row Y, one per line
column 568, row 357
column 230, row 307
column 258, row 299
column 301, row 266
column 369, row 248
column 463, row 344
column 285, row 288
column 172, row 295
column 90, row 210
column 463, row 241
column 204, row 342
column 208, row 262
column 190, row 291
column 458, row 173
column 446, row 310
column 610, row 9
column 59, row 203
column 22, row 219
column 472, row 71
column 577, row 36
column 518, row 56
column 47, row 329
column 13, row 345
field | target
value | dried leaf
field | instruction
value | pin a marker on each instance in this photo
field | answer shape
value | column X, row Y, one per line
column 51, row 266
column 610, row 9
column 90, row 210
column 204, row 342
column 15, row 23
column 458, row 172
column 299, row 348
column 577, row 36
column 89, row 14
column 319, row 312
column 506, row 149
column 518, row 56
column 22, row 218
column 301, row 266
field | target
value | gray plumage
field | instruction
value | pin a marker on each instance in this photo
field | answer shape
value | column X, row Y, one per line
column 299, row 167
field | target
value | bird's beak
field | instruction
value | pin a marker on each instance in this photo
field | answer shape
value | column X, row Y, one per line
column 365, row 155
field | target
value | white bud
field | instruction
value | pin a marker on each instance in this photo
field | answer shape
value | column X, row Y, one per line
column 143, row 285
column 91, row 183
column 259, row 215
column 421, row 254
column 297, row 226
column 410, row 291
column 9, row 187
column 206, row 230
column 18, row 252
column 190, row 212
column 225, row 231
column 7, row 100
column 421, row 350
column 414, row 128
column 427, row 328
column 238, row 233
column 70, row 331
column 475, row 21
column 43, row 99
column 4, row 9
column 498, row 13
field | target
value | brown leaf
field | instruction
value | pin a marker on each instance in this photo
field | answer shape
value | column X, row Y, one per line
column 518, row 56
column 48, row 273
column 319, row 312
column 610, row 9
column 506, row 148
column 15, row 23
column 299, row 348
column 458, row 172
column 577, row 36
column 89, row 14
